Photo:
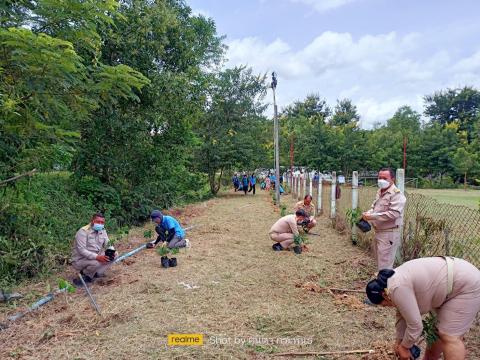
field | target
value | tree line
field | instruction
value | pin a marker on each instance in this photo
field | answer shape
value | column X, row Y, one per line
column 442, row 145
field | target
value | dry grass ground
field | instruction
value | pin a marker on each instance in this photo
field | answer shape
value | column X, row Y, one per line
column 241, row 294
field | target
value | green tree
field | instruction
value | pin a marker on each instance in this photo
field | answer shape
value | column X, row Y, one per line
column 455, row 105
column 232, row 114
column 465, row 161
column 50, row 82
column 438, row 144
column 297, row 123
column 345, row 113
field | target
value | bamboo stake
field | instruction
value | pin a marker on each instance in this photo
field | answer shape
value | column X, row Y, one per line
column 344, row 352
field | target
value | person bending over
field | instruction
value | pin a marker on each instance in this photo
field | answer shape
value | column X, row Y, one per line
column 285, row 229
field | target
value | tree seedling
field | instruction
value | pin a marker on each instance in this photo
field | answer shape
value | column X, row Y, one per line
column 110, row 252
column 353, row 217
column 298, row 240
column 283, row 210
column 163, row 251
column 430, row 332
column 64, row 284
column 147, row 234
column 172, row 262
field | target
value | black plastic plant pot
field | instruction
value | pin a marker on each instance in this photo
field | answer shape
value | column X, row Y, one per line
column 172, row 262
column 110, row 252
column 364, row 226
column 165, row 262
column 297, row 249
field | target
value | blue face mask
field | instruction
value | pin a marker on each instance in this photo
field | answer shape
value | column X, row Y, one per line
column 98, row 227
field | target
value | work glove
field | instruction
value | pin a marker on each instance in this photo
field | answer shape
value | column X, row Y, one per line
column 103, row 259
column 150, row 245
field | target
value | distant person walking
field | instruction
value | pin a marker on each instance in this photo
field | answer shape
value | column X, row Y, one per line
column 236, row 182
column 245, row 183
column 273, row 180
column 253, row 181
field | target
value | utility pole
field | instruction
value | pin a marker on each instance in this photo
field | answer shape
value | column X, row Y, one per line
column 277, row 147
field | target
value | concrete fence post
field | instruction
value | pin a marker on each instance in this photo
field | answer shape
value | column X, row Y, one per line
column 354, row 203
column 299, row 184
column 319, row 194
column 304, row 190
column 310, row 191
column 400, row 183
column 292, row 188
column 333, row 202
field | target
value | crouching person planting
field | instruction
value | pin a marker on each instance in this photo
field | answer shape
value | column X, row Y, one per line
column 283, row 232
column 168, row 230
column 449, row 287
column 88, row 256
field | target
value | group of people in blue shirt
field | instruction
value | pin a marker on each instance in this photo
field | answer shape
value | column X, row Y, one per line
column 245, row 183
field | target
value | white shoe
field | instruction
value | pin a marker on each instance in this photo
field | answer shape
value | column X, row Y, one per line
column 187, row 243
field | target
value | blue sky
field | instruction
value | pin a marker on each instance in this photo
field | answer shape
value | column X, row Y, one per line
column 380, row 53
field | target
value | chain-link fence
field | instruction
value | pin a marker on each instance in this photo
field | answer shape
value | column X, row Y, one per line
column 430, row 228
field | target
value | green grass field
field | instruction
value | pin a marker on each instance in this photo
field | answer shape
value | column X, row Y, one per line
column 468, row 198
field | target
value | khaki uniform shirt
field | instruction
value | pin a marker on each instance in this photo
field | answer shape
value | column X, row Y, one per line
column 420, row 285
column 387, row 209
column 88, row 243
column 310, row 210
column 286, row 224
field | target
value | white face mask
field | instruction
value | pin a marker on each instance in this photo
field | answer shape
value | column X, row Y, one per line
column 383, row 184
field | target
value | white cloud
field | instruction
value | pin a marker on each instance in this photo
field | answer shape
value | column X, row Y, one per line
column 197, row 12
column 324, row 5
column 378, row 72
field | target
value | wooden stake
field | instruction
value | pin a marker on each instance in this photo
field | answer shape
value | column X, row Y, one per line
column 326, row 353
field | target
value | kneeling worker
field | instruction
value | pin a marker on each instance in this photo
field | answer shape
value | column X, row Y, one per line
column 285, row 229
column 450, row 287
column 169, row 230
column 88, row 256
column 309, row 209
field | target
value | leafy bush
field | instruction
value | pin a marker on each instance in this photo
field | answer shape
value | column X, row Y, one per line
column 38, row 222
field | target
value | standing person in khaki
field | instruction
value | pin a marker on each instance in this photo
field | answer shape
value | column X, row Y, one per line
column 87, row 255
column 386, row 216
column 285, row 229
column 309, row 209
column 448, row 286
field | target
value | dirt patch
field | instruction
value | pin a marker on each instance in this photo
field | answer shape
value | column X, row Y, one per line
column 351, row 301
